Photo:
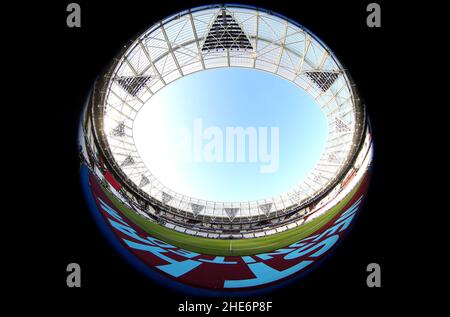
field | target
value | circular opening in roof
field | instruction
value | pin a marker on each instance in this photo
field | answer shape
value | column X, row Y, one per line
column 229, row 37
column 230, row 134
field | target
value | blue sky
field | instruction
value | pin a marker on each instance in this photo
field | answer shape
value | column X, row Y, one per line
column 221, row 98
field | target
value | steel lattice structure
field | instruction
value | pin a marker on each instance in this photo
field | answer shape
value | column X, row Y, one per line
column 226, row 36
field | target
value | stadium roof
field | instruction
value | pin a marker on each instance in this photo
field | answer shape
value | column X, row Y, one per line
column 230, row 36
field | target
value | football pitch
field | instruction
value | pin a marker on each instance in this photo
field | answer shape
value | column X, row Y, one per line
column 232, row 247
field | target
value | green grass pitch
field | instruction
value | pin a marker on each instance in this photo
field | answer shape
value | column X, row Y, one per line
column 235, row 247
